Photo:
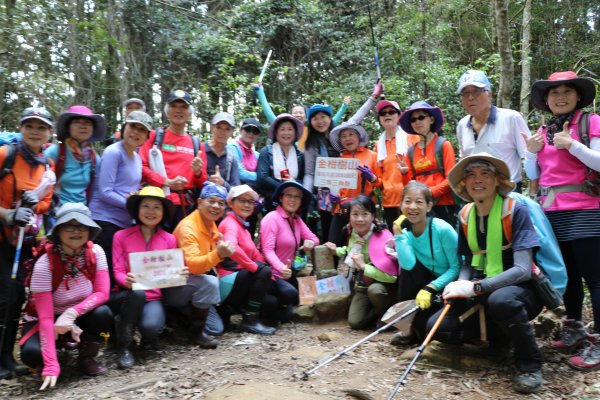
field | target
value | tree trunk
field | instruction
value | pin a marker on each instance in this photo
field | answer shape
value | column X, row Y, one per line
column 505, row 51
column 525, row 59
column 422, row 10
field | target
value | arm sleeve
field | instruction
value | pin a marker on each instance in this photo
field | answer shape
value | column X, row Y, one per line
column 107, row 178
column 406, row 254
column 234, row 179
column 240, row 256
column 247, row 176
column 363, row 111
column 520, row 272
column 198, row 261
column 120, row 260
column 268, row 241
column 372, row 272
column 45, row 202
column 101, row 285
column 148, row 175
column 449, row 242
column 448, row 159
column 262, row 99
column 264, row 180
column 338, row 115
column 588, row 156
column 532, row 169
column 44, row 306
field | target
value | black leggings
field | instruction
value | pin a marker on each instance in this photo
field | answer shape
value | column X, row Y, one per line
column 93, row 323
column 581, row 258
column 390, row 214
column 249, row 286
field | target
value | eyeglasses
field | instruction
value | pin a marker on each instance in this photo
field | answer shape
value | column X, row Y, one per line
column 419, row 118
column 384, row 113
column 474, row 93
column 216, row 203
column 245, row 202
column 75, row 228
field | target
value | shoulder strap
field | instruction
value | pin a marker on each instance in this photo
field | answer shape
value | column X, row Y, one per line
column 411, row 158
column 61, row 160
column 228, row 164
column 439, row 154
column 9, row 161
column 464, row 217
column 196, row 144
column 159, row 136
column 583, row 127
column 508, row 208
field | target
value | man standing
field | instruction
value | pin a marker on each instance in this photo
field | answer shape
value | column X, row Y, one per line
column 245, row 154
column 497, row 269
column 488, row 128
column 222, row 166
column 181, row 165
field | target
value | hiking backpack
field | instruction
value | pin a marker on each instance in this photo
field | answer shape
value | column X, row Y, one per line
column 592, row 182
column 548, row 257
column 439, row 158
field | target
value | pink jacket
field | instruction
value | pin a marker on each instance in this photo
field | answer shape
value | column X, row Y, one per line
column 131, row 240
column 280, row 236
column 245, row 253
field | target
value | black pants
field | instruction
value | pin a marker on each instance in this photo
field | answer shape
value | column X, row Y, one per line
column 508, row 311
column 282, row 296
column 390, row 214
column 93, row 323
column 581, row 258
column 336, row 229
column 409, row 284
column 249, row 286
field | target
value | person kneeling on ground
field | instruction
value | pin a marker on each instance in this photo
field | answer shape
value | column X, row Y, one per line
column 426, row 249
column 496, row 274
column 375, row 272
column 204, row 248
column 70, row 285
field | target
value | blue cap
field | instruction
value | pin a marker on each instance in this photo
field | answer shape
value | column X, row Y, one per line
column 473, row 78
column 315, row 108
column 212, row 189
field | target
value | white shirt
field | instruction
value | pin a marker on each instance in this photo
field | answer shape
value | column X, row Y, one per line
column 500, row 136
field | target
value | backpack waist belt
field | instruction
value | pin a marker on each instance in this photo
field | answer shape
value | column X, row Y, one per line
column 551, row 191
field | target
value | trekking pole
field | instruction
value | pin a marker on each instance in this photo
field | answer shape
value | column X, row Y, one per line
column 420, row 350
column 306, row 374
column 378, row 70
column 264, row 68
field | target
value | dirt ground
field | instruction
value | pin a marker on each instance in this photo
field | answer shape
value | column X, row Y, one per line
column 181, row 371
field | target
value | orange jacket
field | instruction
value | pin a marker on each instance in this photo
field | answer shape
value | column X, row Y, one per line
column 393, row 183
column 199, row 243
column 437, row 182
column 365, row 157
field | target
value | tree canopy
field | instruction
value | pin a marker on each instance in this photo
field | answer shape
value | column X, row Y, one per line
column 101, row 52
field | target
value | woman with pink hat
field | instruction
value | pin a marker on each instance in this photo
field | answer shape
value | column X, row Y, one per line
column 74, row 157
column 565, row 155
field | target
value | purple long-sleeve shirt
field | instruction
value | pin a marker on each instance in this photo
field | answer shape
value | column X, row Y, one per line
column 279, row 240
column 118, row 176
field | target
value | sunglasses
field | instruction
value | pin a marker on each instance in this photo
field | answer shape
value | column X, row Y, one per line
column 384, row 113
column 419, row 118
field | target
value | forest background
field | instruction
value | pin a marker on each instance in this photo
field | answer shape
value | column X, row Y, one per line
column 98, row 53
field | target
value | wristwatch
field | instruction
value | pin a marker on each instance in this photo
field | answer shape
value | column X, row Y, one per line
column 477, row 288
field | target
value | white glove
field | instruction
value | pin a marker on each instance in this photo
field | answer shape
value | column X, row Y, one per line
column 459, row 289
column 66, row 323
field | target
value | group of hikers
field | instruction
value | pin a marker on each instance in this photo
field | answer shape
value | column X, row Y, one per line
column 245, row 220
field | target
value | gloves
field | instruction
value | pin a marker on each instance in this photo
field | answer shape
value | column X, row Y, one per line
column 29, row 199
column 423, row 299
column 460, row 289
column 366, row 173
column 334, row 199
column 402, row 222
column 20, row 216
column 66, row 323
column 378, row 89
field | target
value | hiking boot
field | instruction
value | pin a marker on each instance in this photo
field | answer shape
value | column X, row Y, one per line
column 528, row 382
column 7, row 359
column 4, row 373
column 589, row 358
column 572, row 335
column 400, row 340
column 124, row 333
column 251, row 324
column 87, row 361
column 202, row 338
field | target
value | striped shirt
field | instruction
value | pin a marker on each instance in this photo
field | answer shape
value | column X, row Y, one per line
column 574, row 224
column 80, row 287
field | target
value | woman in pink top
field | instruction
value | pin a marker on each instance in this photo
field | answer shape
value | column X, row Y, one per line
column 69, row 286
column 566, row 164
column 150, row 208
column 282, row 235
column 244, row 277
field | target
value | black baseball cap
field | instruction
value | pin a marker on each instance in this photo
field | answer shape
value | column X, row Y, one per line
column 179, row 95
column 251, row 123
